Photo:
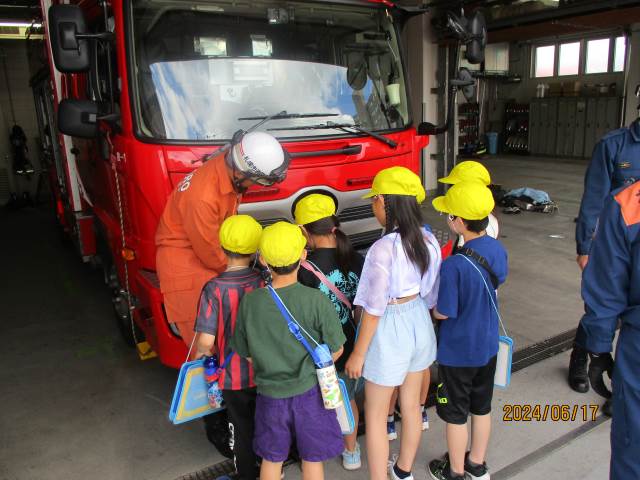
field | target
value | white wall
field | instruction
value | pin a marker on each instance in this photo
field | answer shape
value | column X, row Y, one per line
column 15, row 55
column 422, row 63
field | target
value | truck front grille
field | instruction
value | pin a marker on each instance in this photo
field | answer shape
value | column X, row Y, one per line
column 356, row 213
column 270, row 221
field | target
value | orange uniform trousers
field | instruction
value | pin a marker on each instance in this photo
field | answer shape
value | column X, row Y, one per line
column 182, row 277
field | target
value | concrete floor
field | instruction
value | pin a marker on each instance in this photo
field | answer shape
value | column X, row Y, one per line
column 77, row 403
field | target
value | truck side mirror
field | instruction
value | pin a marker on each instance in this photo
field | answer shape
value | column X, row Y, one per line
column 78, row 118
column 477, row 29
column 427, row 128
column 69, row 43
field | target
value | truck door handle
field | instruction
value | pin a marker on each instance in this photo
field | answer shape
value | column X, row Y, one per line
column 350, row 150
column 366, row 181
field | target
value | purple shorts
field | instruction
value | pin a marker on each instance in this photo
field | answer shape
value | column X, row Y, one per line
column 302, row 418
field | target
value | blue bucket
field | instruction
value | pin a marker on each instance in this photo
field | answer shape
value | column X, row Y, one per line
column 492, row 140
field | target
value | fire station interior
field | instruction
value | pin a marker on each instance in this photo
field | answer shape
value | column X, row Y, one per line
column 78, row 402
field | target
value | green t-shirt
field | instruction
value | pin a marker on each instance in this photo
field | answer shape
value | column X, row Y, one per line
column 282, row 366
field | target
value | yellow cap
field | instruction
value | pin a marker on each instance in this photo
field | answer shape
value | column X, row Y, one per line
column 240, row 234
column 397, row 181
column 470, row 200
column 282, row 244
column 314, row 207
column 466, row 171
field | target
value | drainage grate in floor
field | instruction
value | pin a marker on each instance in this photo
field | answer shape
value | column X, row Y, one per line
column 211, row 473
column 542, row 350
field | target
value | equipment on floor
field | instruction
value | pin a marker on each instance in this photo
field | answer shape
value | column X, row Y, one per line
column 19, row 149
column 528, row 199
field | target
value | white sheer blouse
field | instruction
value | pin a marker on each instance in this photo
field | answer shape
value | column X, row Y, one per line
column 388, row 274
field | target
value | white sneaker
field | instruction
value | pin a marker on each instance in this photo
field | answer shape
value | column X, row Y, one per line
column 425, row 420
column 392, row 474
column 351, row 460
column 391, row 430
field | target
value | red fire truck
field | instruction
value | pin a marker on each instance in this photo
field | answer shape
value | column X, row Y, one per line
column 144, row 89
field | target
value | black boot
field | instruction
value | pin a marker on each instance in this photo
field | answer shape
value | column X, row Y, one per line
column 578, row 378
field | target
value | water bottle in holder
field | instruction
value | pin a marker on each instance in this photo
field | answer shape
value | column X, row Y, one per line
column 327, row 378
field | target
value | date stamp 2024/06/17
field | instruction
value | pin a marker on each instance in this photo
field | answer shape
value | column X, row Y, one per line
column 553, row 412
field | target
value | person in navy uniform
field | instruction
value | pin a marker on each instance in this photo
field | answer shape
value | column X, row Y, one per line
column 615, row 163
column 611, row 291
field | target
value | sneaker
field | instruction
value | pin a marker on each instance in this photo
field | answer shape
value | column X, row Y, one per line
column 477, row 472
column 440, row 470
column 392, row 473
column 425, row 420
column 391, row 430
column 351, row 460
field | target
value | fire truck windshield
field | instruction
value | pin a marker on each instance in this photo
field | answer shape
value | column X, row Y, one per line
column 200, row 67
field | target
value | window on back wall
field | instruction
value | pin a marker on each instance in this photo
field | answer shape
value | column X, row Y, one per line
column 597, row 56
column 545, row 59
column 619, row 52
column 569, row 59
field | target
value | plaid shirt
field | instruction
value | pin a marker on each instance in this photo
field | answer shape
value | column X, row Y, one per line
column 217, row 313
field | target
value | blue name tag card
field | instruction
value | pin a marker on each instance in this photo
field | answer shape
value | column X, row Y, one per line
column 503, row 362
column 344, row 413
column 190, row 399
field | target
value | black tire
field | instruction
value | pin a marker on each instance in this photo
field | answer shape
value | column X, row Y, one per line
column 104, row 262
column 120, row 307
column 125, row 322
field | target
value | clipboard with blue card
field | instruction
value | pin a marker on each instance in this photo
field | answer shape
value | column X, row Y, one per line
column 191, row 398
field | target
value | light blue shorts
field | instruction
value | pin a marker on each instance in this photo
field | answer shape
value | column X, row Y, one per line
column 404, row 342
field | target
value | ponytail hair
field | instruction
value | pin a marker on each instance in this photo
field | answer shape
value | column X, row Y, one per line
column 344, row 249
column 403, row 215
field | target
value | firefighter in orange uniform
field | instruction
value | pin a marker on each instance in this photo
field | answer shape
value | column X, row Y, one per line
column 188, row 248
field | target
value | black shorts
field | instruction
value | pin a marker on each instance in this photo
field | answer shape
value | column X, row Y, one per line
column 464, row 390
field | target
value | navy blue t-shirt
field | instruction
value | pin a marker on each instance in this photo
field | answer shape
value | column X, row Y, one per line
column 469, row 337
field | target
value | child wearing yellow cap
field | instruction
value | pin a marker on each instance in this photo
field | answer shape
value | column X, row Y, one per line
column 396, row 344
column 471, row 170
column 215, row 324
column 289, row 404
column 333, row 267
column 468, row 334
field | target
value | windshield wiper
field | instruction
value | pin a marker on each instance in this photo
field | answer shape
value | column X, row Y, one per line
column 346, row 127
column 284, row 115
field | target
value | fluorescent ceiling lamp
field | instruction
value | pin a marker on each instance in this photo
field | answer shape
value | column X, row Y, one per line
column 20, row 24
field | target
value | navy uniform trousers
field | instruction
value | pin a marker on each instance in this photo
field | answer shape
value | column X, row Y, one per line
column 611, row 291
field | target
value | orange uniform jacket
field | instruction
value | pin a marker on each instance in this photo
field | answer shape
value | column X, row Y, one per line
column 188, row 247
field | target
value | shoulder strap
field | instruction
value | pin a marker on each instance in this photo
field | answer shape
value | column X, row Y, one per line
column 294, row 326
column 495, row 307
column 226, row 360
column 467, row 252
column 328, row 283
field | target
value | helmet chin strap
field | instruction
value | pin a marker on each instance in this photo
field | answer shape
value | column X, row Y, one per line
column 235, row 181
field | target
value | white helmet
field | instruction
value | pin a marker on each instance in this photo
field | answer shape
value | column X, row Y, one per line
column 260, row 158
